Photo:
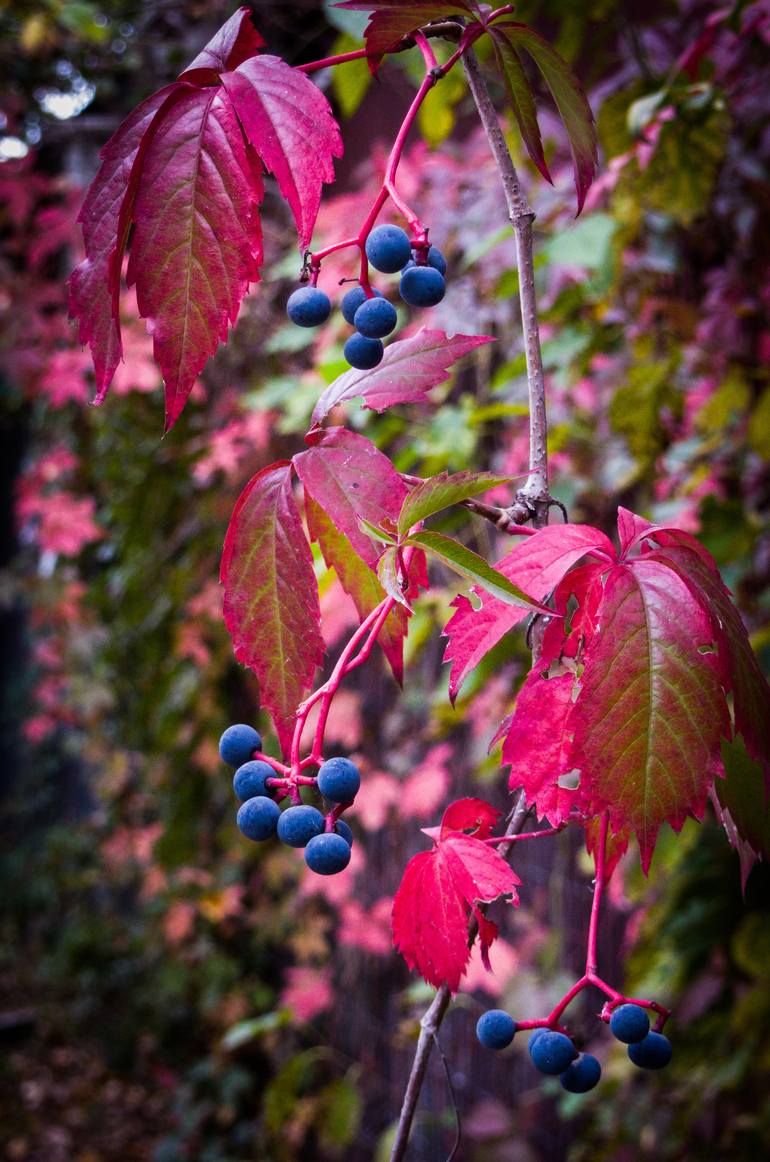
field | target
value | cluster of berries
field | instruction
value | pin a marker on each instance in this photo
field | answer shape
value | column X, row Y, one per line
column 327, row 841
column 389, row 250
column 553, row 1052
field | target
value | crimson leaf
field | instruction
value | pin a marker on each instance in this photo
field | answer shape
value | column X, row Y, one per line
column 651, row 711
column 271, row 597
column 186, row 169
column 438, row 891
column 740, row 669
column 197, row 241
column 536, row 565
column 289, row 123
column 349, row 477
column 538, row 742
column 395, row 19
column 94, row 285
column 409, row 369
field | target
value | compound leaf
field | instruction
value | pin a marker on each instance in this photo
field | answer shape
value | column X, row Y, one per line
column 570, row 99
column 651, row 711
column 289, row 123
column 475, row 569
column 409, row 369
column 271, row 597
column 537, row 565
column 197, row 240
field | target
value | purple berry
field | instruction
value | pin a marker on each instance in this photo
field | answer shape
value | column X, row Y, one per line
column 437, row 261
column 375, row 318
column 353, row 300
column 495, row 1029
column 238, row 743
column 298, row 825
column 629, row 1023
column 654, row 1052
column 339, row 780
column 250, row 780
column 551, row 1052
column 583, row 1074
column 327, row 854
column 342, row 828
column 388, row 248
column 257, row 818
column 422, row 286
column 363, row 353
column 308, row 307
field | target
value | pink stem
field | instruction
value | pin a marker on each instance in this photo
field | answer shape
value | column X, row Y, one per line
column 327, row 62
column 524, row 835
column 593, row 926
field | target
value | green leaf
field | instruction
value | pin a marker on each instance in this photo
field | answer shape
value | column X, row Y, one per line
column 244, row 1031
column 375, row 532
column 351, row 80
column 440, row 491
column 341, row 1114
column 570, row 99
column 475, row 569
column 587, row 244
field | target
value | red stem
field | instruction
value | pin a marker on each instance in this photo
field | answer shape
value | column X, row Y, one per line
column 593, row 926
column 524, row 835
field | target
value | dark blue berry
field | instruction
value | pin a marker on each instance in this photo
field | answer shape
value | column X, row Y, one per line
column 342, row 828
column 375, row 318
column 551, row 1052
column 238, row 743
column 629, row 1023
column 308, row 306
column 327, row 854
column 654, row 1052
column 495, row 1029
column 437, row 261
column 250, row 780
column 388, row 248
column 363, row 353
column 257, row 818
column 298, row 825
column 422, row 286
column 339, row 780
column 582, row 1075
column 352, row 301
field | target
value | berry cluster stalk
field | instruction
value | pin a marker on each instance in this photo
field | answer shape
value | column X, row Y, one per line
column 533, row 500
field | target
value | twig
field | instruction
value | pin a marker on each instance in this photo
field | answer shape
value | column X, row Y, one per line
column 533, row 497
column 532, row 502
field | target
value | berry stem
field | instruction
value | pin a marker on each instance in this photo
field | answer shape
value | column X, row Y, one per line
column 524, row 835
column 593, row 924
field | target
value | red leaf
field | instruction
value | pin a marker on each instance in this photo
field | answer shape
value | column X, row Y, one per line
column 538, row 743
column 520, row 96
column 409, row 369
column 271, row 597
column 536, row 566
column 615, row 846
column 358, row 580
column 651, row 711
column 395, row 19
column 430, row 921
column 740, row 669
column 105, row 216
column 235, row 42
column 289, row 123
column 472, row 816
column 349, row 477
column 197, row 241
column 438, row 891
